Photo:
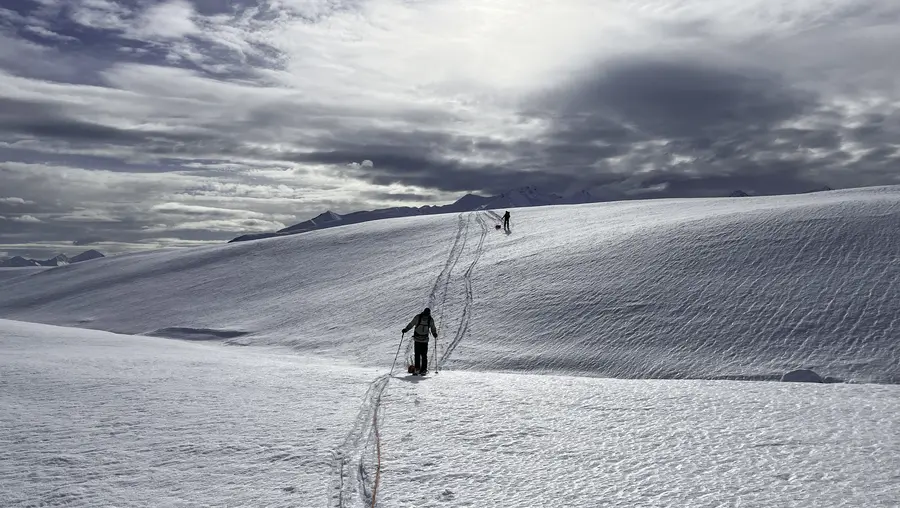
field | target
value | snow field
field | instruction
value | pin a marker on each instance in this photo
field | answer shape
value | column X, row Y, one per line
column 96, row 419
column 702, row 288
column 712, row 289
column 695, row 289
column 512, row 440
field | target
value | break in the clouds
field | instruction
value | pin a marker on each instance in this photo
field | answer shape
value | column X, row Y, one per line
column 140, row 123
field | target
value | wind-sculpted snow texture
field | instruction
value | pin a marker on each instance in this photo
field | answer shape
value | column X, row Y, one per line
column 744, row 288
column 513, row 440
column 95, row 419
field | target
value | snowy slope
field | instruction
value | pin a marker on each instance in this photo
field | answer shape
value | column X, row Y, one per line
column 7, row 273
column 96, row 419
column 700, row 288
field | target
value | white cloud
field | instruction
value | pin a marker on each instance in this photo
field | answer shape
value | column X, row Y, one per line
column 364, row 164
column 168, row 20
column 101, row 14
column 48, row 34
column 11, row 16
column 49, row 248
column 190, row 210
column 15, row 201
column 26, row 218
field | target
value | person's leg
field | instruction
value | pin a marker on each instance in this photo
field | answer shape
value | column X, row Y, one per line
column 424, row 358
column 417, row 351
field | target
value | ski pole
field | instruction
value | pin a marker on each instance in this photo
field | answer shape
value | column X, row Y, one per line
column 402, row 335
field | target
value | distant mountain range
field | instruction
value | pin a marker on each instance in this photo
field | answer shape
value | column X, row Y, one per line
column 62, row 259
column 518, row 198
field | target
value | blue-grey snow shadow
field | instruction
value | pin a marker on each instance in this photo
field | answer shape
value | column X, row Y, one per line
column 198, row 334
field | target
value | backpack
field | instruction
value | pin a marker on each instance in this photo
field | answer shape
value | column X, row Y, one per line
column 421, row 329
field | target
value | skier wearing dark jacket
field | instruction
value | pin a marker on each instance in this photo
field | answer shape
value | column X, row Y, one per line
column 506, row 220
column 421, row 325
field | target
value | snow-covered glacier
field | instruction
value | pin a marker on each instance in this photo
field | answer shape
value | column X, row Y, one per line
column 744, row 288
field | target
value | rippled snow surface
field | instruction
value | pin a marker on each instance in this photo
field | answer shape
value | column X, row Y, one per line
column 703, row 288
column 539, row 441
column 95, row 419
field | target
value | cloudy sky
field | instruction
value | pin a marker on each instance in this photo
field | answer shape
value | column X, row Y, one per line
column 140, row 124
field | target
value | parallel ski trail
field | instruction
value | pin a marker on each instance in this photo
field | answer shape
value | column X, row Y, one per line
column 443, row 278
column 455, row 252
column 353, row 478
column 350, row 472
column 463, row 327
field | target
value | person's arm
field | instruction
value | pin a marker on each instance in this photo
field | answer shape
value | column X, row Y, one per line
column 410, row 325
column 433, row 329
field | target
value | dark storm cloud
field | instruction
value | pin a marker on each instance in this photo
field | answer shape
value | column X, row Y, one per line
column 729, row 122
column 411, row 163
column 395, row 196
column 690, row 108
column 45, row 120
column 723, row 118
column 675, row 98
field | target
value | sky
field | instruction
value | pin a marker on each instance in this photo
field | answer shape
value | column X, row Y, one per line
column 143, row 124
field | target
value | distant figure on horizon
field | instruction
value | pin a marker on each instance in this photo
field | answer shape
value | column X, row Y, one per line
column 506, row 220
column 423, row 323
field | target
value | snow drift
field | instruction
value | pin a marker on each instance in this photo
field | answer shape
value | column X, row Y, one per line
column 682, row 288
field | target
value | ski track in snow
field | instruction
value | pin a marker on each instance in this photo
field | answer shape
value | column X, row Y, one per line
column 353, row 461
column 694, row 288
column 663, row 289
column 463, row 327
column 95, row 419
column 92, row 419
column 442, row 281
column 455, row 253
